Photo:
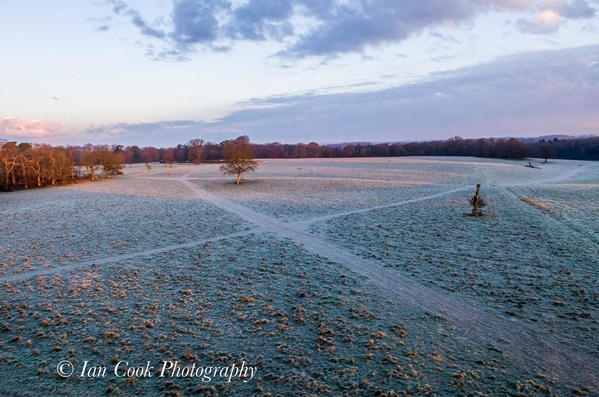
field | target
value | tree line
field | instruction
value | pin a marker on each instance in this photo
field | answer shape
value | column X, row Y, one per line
column 512, row 148
column 199, row 151
column 25, row 165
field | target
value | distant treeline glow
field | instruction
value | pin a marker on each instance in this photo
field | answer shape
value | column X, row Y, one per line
column 27, row 165
column 198, row 150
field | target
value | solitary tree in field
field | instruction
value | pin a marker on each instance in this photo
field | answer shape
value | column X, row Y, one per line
column 547, row 151
column 238, row 158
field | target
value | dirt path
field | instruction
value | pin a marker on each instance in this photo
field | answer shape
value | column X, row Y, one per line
column 523, row 343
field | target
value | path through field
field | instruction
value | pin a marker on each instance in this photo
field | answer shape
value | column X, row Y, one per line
column 525, row 344
column 116, row 258
column 521, row 342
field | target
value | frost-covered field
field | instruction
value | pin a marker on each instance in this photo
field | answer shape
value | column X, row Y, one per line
column 331, row 276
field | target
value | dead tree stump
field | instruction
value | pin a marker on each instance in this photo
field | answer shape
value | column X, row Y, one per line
column 477, row 203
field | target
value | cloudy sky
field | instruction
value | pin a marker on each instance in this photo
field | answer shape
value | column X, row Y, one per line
column 160, row 72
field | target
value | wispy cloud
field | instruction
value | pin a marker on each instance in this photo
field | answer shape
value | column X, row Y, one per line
column 145, row 28
column 336, row 26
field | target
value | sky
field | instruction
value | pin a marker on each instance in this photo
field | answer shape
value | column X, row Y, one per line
column 162, row 72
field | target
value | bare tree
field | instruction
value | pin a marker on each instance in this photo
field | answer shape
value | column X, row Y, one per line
column 150, row 155
column 8, row 159
column 92, row 163
column 168, row 156
column 238, row 158
column 37, row 165
column 110, row 162
column 547, row 151
column 46, row 157
column 194, row 154
column 24, row 165
column 64, row 164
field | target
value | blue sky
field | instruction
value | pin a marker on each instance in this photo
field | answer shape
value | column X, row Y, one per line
column 160, row 72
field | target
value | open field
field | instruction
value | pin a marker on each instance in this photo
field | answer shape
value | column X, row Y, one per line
column 331, row 276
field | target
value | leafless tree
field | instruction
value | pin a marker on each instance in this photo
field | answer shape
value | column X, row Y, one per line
column 194, row 154
column 8, row 159
column 111, row 163
column 238, row 158
column 92, row 163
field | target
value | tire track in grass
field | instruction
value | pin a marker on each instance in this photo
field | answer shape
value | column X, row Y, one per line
column 308, row 222
column 120, row 257
column 524, row 344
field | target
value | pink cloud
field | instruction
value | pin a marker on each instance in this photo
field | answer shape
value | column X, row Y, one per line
column 23, row 128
